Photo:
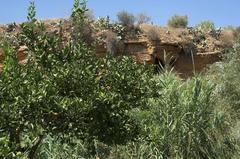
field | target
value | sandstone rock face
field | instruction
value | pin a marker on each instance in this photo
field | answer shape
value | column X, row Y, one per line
column 178, row 47
column 187, row 65
column 21, row 53
column 184, row 63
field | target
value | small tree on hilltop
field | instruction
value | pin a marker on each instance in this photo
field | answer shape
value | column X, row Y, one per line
column 178, row 21
column 126, row 19
column 142, row 18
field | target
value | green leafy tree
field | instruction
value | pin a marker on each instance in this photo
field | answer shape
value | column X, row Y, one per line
column 64, row 90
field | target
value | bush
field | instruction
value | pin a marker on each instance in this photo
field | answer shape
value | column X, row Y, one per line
column 178, row 21
column 126, row 19
column 153, row 34
column 228, row 74
column 105, row 24
column 142, row 18
column 206, row 26
column 237, row 32
column 113, row 43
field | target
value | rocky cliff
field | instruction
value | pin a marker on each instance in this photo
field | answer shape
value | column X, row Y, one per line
column 186, row 50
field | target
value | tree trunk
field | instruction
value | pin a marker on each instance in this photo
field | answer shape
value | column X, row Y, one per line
column 33, row 151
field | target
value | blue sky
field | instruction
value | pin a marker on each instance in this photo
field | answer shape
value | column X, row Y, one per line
column 221, row 12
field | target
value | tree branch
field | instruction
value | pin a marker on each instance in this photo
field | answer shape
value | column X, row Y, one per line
column 32, row 153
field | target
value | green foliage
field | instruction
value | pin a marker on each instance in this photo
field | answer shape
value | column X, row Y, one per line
column 78, row 10
column 120, row 90
column 206, row 26
column 113, row 36
column 117, row 28
column 65, row 90
column 105, row 24
column 50, row 99
column 178, row 21
column 31, row 12
column 209, row 28
column 227, row 76
column 56, row 148
column 71, row 93
column 78, row 17
column 231, row 78
column 126, row 19
column 80, row 23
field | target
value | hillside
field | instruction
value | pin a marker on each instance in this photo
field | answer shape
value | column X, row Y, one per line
column 184, row 49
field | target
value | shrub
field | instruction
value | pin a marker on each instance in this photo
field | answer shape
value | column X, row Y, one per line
column 113, row 43
column 105, row 24
column 142, row 18
column 228, row 78
column 178, row 21
column 11, row 27
column 126, row 19
column 206, row 26
column 153, row 34
column 226, row 75
column 237, row 32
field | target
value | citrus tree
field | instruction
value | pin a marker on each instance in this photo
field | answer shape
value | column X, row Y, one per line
column 64, row 90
